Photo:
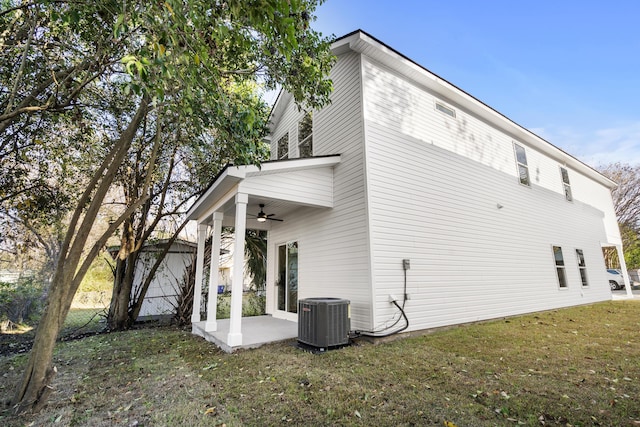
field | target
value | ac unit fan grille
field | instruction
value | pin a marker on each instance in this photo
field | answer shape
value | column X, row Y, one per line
column 323, row 322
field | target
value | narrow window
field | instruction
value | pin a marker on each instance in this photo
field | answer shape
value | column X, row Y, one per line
column 566, row 184
column 444, row 109
column 582, row 266
column 523, row 168
column 305, row 136
column 283, row 147
column 559, row 259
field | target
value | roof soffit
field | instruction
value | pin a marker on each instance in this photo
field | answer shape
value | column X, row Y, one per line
column 232, row 176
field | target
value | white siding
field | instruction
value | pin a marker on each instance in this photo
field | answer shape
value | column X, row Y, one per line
column 311, row 187
column 287, row 124
column 162, row 295
column 333, row 246
column 434, row 185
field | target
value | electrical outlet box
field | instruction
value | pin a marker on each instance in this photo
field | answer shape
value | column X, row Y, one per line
column 406, row 264
column 393, row 298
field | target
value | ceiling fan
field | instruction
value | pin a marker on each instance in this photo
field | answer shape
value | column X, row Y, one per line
column 262, row 217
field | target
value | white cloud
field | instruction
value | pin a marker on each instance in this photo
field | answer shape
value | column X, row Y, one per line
column 597, row 146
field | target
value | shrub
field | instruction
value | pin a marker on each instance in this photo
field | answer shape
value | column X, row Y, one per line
column 253, row 304
column 22, row 301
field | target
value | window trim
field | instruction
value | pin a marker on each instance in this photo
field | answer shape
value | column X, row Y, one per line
column 521, row 165
column 566, row 185
column 559, row 268
column 582, row 268
column 445, row 109
column 308, row 138
column 286, row 156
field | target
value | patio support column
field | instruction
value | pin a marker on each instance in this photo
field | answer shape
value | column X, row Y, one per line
column 197, row 289
column 235, row 323
column 212, row 301
column 623, row 270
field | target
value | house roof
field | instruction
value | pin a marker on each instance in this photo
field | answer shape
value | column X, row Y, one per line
column 157, row 245
column 361, row 42
column 250, row 179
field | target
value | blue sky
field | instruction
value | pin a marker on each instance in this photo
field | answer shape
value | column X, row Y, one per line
column 568, row 70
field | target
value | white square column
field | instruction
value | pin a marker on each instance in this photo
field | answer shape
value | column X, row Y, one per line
column 623, row 270
column 212, row 300
column 197, row 288
column 235, row 324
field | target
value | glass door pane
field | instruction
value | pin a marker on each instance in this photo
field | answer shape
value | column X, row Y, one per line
column 281, row 283
column 287, row 282
column 292, row 283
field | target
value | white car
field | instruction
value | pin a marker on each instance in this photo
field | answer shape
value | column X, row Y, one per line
column 616, row 281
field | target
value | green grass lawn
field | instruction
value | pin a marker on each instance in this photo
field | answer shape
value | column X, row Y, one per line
column 578, row 366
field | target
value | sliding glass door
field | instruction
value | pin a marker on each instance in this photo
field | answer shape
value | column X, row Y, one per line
column 287, row 283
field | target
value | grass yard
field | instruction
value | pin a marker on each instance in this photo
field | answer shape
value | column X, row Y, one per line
column 578, row 366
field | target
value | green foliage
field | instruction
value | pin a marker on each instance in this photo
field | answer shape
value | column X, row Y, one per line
column 99, row 277
column 631, row 240
column 21, row 301
column 256, row 253
column 253, row 304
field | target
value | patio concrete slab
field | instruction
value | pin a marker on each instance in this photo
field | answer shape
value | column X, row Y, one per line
column 256, row 331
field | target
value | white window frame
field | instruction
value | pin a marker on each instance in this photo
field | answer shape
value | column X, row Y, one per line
column 560, row 268
column 522, row 166
column 582, row 268
column 285, row 156
column 445, row 109
column 566, row 185
column 307, row 139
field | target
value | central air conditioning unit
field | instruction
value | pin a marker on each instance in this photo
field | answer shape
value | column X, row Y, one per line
column 324, row 322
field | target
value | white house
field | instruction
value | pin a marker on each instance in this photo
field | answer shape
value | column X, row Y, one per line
column 402, row 165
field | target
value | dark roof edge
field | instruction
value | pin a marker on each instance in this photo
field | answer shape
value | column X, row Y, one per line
column 468, row 94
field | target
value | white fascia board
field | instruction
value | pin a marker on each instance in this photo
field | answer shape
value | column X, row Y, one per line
column 285, row 166
column 220, row 185
column 278, row 109
column 364, row 44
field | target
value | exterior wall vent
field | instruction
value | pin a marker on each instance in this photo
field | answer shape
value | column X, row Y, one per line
column 446, row 110
column 324, row 322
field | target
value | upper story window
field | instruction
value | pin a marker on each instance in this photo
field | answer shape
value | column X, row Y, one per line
column 523, row 168
column 446, row 110
column 305, row 136
column 566, row 184
column 283, row 147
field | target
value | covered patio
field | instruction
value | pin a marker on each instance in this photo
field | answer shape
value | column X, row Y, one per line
column 256, row 331
column 234, row 199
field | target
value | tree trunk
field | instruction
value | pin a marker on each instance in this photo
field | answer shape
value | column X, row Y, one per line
column 39, row 372
column 32, row 392
column 119, row 318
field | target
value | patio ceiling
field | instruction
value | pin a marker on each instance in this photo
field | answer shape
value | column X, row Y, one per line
column 282, row 186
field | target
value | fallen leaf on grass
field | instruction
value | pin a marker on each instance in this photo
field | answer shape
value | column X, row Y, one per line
column 210, row 411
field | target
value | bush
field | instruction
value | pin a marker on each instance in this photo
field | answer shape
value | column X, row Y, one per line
column 22, row 301
column 253, row 304
column 99, row 278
